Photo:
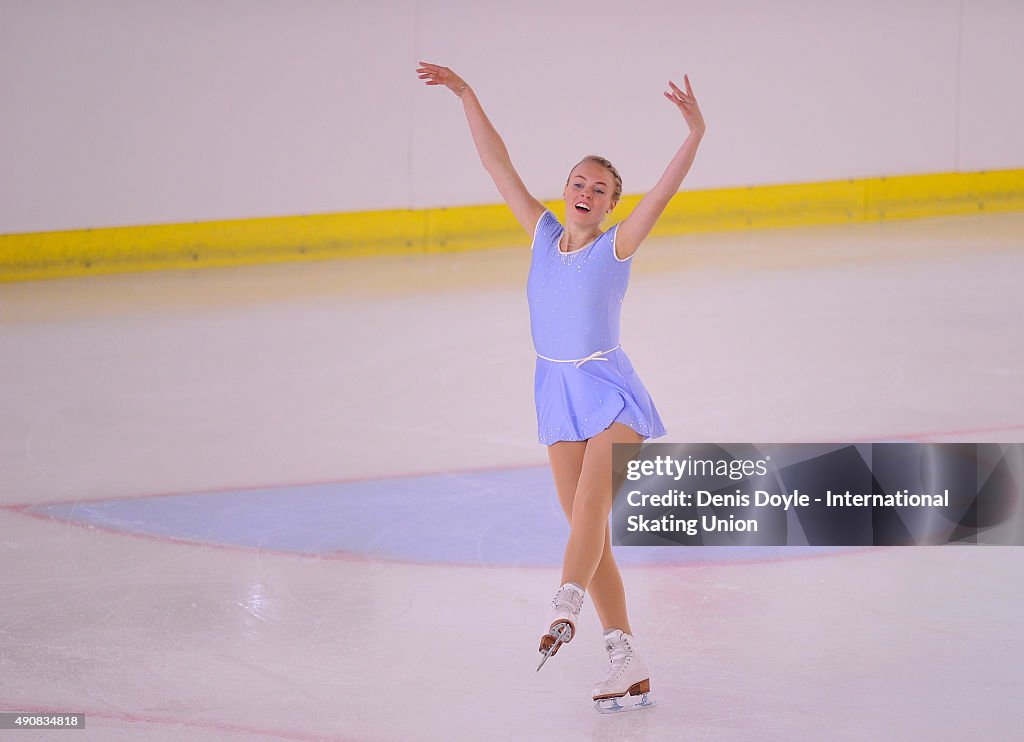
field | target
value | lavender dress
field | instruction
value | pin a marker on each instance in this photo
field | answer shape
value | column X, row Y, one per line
column 584, row 381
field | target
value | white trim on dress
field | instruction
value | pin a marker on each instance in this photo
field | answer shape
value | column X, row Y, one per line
column 595, row 356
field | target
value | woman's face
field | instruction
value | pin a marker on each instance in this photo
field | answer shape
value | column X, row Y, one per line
column 588, row 194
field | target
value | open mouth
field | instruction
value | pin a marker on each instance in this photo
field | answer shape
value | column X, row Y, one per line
column 582, row 207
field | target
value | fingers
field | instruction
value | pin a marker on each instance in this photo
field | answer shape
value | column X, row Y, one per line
column 678, row 97
column 680, row 93
column 433, row 74
column 433, row 69
column 430, row 78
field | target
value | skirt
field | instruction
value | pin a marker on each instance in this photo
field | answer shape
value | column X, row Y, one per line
column 576, row 403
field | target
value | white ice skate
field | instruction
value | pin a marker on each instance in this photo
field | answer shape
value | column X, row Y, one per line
column 627, row 686
column 565, row 611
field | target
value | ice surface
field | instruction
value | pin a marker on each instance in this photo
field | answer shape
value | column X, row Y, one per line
column 306, row 502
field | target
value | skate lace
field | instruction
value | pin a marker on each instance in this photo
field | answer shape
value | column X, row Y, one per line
column 568, row 598
column 619, row 654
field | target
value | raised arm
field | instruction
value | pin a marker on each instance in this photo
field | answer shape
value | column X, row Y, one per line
column 635, row 228
column 491, row 148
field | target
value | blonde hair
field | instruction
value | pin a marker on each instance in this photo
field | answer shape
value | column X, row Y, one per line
column 603, row 162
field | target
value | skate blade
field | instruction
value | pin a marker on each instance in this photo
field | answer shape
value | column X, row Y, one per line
column 622, row 704
column 553, row 642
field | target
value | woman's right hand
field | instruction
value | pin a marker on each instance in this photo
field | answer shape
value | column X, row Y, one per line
column 490, row 147
column 435, row 74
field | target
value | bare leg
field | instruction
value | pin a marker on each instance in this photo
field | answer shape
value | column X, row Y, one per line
column 567, row 465
column 592, row 504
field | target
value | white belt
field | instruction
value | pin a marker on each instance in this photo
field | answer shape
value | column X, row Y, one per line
column 596, row 356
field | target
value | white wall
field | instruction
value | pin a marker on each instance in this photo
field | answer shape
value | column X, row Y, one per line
column 118, row 112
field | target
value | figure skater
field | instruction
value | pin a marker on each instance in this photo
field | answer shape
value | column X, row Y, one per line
column 587, row 394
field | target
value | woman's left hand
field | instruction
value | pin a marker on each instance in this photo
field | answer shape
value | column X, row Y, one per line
column 687, row 105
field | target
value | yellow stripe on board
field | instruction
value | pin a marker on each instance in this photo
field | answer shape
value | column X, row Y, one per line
column 39, row 255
